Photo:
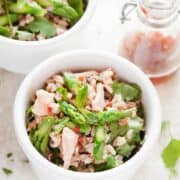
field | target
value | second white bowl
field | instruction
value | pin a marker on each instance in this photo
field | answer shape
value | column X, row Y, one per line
column 86, row 60
column 22, row 56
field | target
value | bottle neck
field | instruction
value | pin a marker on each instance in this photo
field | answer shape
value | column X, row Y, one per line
column 157, row 13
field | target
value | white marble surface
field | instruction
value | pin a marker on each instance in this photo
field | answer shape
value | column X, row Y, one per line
column 102, row 35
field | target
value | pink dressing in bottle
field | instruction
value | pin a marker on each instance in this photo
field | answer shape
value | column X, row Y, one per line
column 152, row 39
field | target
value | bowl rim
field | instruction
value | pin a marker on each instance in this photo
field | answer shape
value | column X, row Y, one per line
column 82, row 21
column 30, row 150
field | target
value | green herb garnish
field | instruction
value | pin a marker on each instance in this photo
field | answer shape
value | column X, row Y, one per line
column 43, row 26
column 171, row 155
column 9, row 155
column 129, row 92
column 7, row 171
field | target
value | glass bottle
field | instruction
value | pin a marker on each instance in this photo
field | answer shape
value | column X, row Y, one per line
column 151, row 39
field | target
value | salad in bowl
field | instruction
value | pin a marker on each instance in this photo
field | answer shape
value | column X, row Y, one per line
column 34, row 30
column 38, row 19
column 87, row 121
column 86, row 115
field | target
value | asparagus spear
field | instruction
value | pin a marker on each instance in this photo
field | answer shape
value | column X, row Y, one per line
column 77, row 5
column 41, row 135
column 45, row 3
column 60, row 125
column 63, row 92
column 91, row 117
column 99, row 144
column 82, row 95
column 5, row 31
column 24, row 7
column 72, row 112
column 67, row 12
column 110, row 116
column 74, row 85
column 71, row 82
column 5, row 21
column 61, row 9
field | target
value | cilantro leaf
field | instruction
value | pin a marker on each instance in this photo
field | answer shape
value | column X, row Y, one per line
column 171, row 154
column 9, row 155
column 7, row 172
column 128, row 92
column 42, row 26
column 125, row 150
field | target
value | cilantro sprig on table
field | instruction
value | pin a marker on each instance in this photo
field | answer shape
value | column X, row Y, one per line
column 7, row 171
column 171, row 153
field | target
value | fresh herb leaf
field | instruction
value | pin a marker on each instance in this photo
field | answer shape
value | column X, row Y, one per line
column 111, row 162
column 9, row 155
column 125, row 150
column 117, row 130
column 128, row 92
column 136, row 137
column 43, row 26
column 136, row 123
column 171, row 154
column 7, row 171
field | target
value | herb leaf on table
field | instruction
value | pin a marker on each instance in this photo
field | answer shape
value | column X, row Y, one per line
column 7, row 171
column 171, row 154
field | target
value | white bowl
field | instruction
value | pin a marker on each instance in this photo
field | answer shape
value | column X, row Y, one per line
column 84, row 59
column 22, row 56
